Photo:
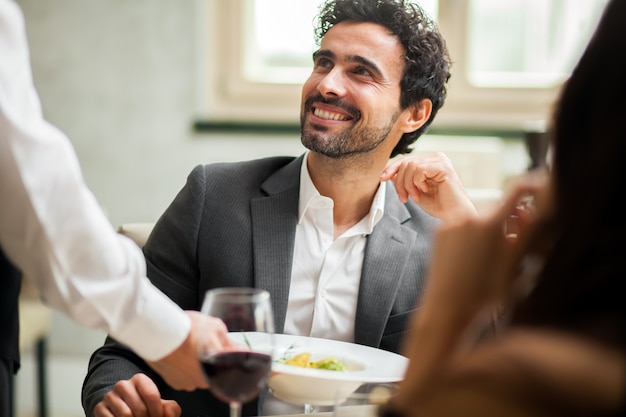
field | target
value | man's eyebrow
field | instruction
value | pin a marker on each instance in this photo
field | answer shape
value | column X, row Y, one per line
column 365, row 62
column 323, row 52
column 351, row 58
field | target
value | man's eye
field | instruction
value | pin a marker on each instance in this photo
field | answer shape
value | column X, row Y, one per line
column 323, row 62
column 362, row 71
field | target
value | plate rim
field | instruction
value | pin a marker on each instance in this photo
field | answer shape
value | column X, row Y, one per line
column 284, row 341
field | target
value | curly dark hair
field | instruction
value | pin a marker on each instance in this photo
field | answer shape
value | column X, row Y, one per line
column 427, row 68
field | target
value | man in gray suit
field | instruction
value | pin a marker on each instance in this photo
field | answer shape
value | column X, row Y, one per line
column 338, row 236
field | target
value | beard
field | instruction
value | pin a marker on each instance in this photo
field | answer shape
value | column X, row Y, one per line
column 351, row 141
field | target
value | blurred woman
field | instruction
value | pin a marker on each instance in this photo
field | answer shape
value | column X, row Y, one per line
column 562, row 353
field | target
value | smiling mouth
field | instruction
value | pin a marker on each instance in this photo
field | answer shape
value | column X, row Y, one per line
column 327, row 115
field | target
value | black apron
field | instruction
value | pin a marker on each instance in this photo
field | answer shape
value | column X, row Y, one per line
column 10, row 281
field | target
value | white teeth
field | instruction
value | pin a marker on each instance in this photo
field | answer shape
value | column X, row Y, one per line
column 328, row 115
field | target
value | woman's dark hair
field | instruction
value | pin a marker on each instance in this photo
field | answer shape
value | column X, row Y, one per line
column 427, row 68
column 578, row 286
column 589, row 127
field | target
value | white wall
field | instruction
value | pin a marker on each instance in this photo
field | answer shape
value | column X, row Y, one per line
column 119, row 77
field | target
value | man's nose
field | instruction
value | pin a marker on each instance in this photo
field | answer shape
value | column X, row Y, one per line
column 333, row 84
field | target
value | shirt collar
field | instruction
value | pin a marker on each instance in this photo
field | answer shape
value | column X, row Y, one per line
column 308, row 193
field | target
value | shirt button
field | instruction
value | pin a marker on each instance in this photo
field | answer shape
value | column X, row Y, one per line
column 323, row 293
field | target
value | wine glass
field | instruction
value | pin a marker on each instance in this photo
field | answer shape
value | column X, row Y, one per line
column 238, row 375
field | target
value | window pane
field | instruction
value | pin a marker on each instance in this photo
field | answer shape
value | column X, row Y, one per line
column 279, row 38
column 527, row 43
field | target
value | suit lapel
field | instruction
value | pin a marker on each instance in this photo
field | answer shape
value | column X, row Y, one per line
column 387, row 249
column 274, row 220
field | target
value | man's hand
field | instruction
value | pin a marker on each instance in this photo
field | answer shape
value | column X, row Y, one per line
column 181, row 368
column 137, row 397
column 432, row 182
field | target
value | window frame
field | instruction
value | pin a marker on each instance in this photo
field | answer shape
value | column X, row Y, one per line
column 226, row 97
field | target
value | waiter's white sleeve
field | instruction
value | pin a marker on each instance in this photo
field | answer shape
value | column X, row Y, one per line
column 52, row 228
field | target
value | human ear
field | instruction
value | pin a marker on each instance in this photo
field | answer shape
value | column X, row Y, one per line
column 417, row 115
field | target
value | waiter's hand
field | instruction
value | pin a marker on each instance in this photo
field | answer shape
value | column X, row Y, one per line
column 181, row 368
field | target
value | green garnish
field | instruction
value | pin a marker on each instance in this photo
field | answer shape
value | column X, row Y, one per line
column 329, row 364
column 245, row 339
column 286, row 354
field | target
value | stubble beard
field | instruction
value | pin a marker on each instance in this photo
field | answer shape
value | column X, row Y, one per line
column 351, row 141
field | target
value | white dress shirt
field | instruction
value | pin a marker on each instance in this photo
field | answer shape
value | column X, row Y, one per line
column 52, row 228
column 326, row 271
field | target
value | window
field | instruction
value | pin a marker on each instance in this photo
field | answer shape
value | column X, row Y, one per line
column 273, row 57
column 510, row 58
column 526, row 44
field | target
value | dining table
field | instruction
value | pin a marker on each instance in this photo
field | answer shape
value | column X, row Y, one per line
column 341, row 411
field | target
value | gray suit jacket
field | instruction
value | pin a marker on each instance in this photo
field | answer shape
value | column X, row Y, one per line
column 233, row 224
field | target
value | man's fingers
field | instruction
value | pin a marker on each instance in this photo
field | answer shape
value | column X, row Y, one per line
column 117, row 402
column 149, row 394
column 102, row 410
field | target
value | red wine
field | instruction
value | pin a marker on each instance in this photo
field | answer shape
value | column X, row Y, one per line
column 237, row 376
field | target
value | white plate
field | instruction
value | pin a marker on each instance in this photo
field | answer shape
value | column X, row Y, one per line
column 323, row 387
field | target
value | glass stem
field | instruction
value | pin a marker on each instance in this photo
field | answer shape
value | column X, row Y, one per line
column 235, row 409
